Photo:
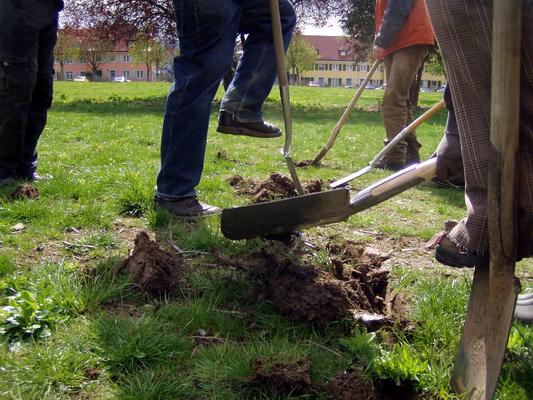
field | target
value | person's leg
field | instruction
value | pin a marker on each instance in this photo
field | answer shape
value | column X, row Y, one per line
column 207, row 31
column 463, row 29
column 42, row 96
column 20, row 23
column 402, row 67
column 256, row 71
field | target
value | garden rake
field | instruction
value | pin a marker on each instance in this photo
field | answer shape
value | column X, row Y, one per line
column 345, row 115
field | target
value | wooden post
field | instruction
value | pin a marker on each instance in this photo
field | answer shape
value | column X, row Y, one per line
column 503, row 179
column 494, row 292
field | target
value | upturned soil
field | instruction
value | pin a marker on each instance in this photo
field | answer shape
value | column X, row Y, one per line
column 24, row 191
column 152, row 269
column 277, row 186
column 305, row 293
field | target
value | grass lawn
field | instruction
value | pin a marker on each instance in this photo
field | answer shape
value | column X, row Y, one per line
column 73, row 326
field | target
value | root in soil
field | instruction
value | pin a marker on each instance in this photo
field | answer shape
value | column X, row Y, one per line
column 304, row 293
column 277, row 186
column 282, row 378
column 24, row 191
column 153, row 269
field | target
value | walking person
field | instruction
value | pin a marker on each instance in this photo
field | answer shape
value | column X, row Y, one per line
column 403, row 39
column 28, row 33
column 207, row 30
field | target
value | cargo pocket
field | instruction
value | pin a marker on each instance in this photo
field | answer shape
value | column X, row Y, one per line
column 186, row 17
column 14, row 76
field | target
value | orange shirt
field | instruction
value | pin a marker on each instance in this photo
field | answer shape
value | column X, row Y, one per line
column 416, row 30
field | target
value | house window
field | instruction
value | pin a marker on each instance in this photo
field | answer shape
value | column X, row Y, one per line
column 335, row 82
column 69, row 76
column 317, row 51
column 126, row 74
column 335, row 67
column 321, row 81
column 343, row 52
column 126, row 58
column 349, row 67
column 112, row 58
column 140, row 74
column 321, row 67
column 348, row 81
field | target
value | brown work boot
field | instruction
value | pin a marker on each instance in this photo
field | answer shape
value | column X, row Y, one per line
column 227, row 123
column 187, row 208
column 392, row 166
column 412, row 155
column 448, row 253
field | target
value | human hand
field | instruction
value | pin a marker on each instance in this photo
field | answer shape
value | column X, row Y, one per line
column 378, row 53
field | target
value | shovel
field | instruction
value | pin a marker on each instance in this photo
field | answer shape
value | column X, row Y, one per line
column 284, row 92
column 405, row 131
column 284, row 216
column 345, row 115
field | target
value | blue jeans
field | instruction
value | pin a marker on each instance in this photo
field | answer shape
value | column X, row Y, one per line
column 207, row 30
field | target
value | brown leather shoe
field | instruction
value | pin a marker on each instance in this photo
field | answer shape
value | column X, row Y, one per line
column 227, row 123
column 187, row 208
column 448, row 253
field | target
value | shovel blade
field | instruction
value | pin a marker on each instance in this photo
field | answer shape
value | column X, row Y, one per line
column 286, row 215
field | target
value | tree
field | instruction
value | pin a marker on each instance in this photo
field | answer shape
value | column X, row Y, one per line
column 94, row 52
column 301, row 56
column 65, row 50
column 357, row 20
column 120, row 19
column 142, row 50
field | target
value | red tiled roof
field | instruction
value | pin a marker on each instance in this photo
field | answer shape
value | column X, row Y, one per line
column 329, row 47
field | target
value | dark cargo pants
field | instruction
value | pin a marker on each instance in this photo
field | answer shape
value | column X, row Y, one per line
column 28, row 33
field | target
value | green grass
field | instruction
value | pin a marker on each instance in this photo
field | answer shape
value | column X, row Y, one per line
column 76, row 328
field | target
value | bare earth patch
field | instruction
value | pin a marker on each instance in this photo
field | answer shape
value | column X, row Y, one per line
column 153, row 269
column 277, row 186
column 351, row 386
column 282, row 378
column 24, row 191
column 305, row 293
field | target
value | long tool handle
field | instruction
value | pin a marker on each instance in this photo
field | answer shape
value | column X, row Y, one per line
column 345, row 115
column 392, row 185
column 279, row 50
column 400, row 136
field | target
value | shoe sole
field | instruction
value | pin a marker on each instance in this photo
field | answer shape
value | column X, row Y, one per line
column 452, row 260
column 246, row 132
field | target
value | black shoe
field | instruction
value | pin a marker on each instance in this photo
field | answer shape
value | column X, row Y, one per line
column 384, row 164
column 227, row 123
column 187, row 208
column 448, row 253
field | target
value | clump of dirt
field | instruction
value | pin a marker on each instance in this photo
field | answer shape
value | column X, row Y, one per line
column 277, row 186
column 282, row 378
column 304, row 163
column 304, row 293
column 153, row 269
column 351, row 386
column 24, row 191
column 222, row 155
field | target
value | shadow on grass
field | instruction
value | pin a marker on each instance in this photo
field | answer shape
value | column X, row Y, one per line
column 308, row 112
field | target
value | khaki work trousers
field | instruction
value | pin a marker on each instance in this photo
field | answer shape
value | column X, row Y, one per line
column 401, row 68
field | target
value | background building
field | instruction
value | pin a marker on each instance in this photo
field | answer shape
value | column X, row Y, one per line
column 336, row 65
